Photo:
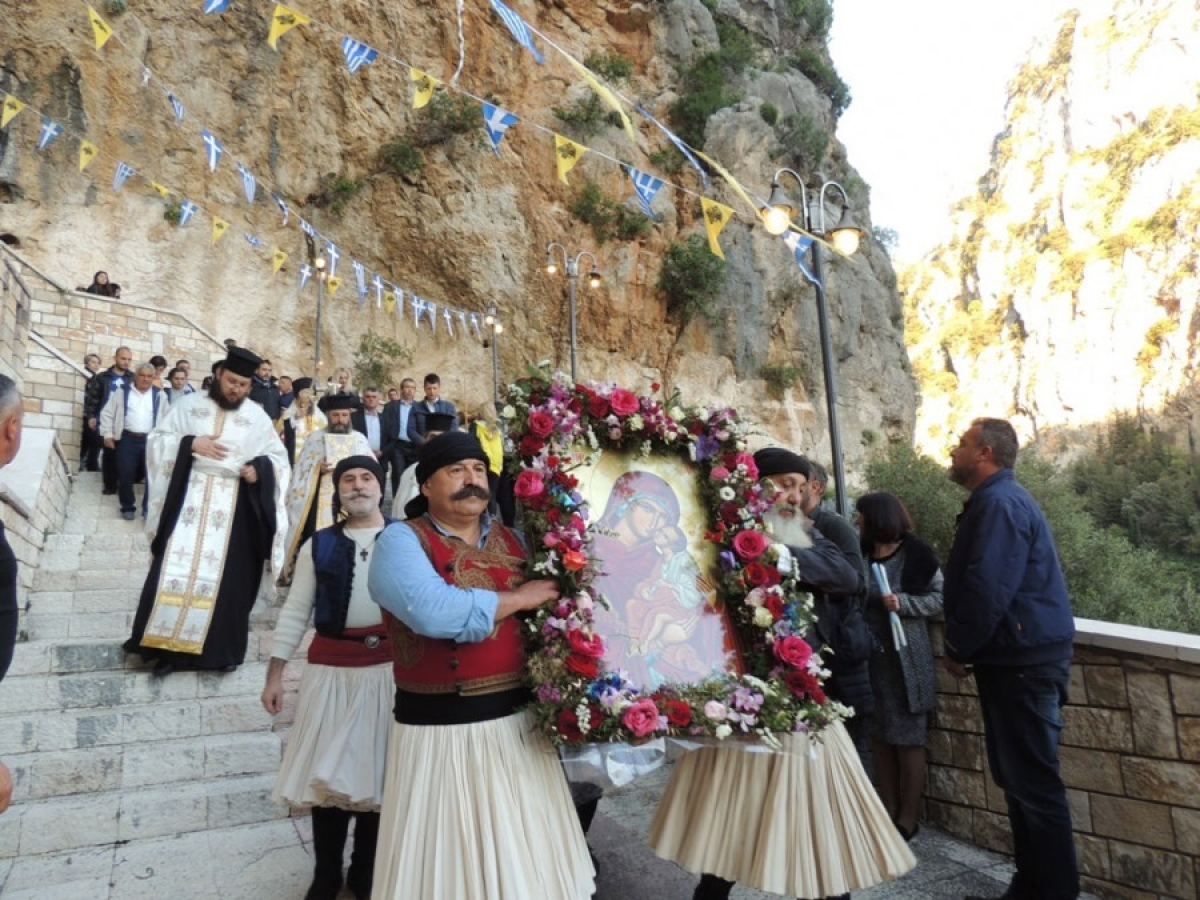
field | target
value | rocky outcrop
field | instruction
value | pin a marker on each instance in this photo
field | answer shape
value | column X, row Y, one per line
column 470, row 228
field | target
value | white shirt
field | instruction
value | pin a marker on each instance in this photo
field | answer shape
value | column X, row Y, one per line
column 139, row 411
column 372, row 420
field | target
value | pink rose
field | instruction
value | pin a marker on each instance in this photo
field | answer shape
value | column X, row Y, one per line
column 591, row 647
column 541, row 424
column 756, row 598
column 750, row 544
column 715, row 710
column 747, row 460
column 719, row 473
column 793, row 651
column 623, row 402
column 641, row 717
column 528, row 485
column 573, row 561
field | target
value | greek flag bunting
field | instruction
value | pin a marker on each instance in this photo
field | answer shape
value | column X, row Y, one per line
column 187, row 209
column 213, row 150
column 431, row 308
column 798, row 243
column 679, row 145
column 249, row 185
column 121, row 175
column 418, row 307
column 307, row 229
column 360, row 281
column 462, row 320
column 646, row 186
column 216, row 6
column 377, row 281
column 516, row 25
column 334, row 255
column 475, row 326
column 497, row 120
column 448, row 316
column 50, row 130
column 305, row 274
column 357, row 54
column 283, row 207
column 177, row 106
column 253, row 241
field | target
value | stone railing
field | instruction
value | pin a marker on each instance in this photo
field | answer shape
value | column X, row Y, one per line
column 1130, row 758
column 15, row 300
column 33, row 500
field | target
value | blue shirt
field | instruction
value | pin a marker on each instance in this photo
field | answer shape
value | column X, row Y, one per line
column 403, row 581
column 405, row 408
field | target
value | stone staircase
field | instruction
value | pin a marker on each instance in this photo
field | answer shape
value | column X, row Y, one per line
column 108, row 762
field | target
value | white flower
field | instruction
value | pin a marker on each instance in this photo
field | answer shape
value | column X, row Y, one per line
column 783, row 561
column 723, row 731
column 508, row 412
column 636, row 422
column 669, row 437
column 592, row 442
column 756, row 598
column 741, row 445
column 763, row 617
column 726, row 492
column 584, row 716
column 675, row 413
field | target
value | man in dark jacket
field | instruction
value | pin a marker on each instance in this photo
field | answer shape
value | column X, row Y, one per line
column 265, row 392
column 1009, row 620
column 95, row 394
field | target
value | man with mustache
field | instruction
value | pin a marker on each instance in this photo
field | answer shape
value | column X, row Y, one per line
column 310, row 498
column 474, row 796
column 335, row 757
column 216, row 474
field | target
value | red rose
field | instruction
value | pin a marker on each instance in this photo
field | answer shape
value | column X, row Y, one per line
column 590, row 647
column 678, row 713
column 623, row 402
column 774, row 605
column 751, row 544
column 731, row 513
column 574, row 405
column 586, row 666
column 567, row 724
column 553, row 514
column 794, row 651
column 802, row 683
column 531, row 446
column 654, row 388
column 573, row 560
column 747, row 460
column 761, row 575
column 541, row 424
column 597, row 407
column 528, row 485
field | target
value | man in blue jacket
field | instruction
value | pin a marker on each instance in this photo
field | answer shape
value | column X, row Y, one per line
column 1009, row 621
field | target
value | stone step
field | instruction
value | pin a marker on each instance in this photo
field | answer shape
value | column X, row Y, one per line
column 49, row 654
column 122, row 767
column 59, row 824
column 164, row 720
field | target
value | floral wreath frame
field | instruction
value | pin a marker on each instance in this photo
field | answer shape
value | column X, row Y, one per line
column 556, row 426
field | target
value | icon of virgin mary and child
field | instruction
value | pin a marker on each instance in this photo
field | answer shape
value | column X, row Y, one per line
column 663, row 625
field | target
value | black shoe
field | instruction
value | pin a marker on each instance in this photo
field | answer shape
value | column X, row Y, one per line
column 225, row 670
column 325, row 887
column 108, row 492
column 162, row 668
column 906, row 834
column 359, row 882
column 1009, row 894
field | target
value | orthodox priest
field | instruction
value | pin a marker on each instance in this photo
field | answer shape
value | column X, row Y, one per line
column 216, row 475
column 310, row 497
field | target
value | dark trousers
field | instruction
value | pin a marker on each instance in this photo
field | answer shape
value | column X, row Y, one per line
column 1022, row 720
column 403, row 454
column 108, row 468
column 89, row 448
column 130, row 454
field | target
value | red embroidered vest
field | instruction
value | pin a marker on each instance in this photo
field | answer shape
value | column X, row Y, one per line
column 428, row 665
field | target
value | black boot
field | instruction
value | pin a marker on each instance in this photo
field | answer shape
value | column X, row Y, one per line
column 329, row 842
column 712, row 887
column 362, row 859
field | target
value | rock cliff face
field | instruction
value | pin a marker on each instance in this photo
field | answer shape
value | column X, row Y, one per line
column 1069, row 288
column 470, row 228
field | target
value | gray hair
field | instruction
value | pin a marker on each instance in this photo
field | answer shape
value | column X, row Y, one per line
column 817, row 473
column 10, row 397
column 142, row 367
column 1001, row 437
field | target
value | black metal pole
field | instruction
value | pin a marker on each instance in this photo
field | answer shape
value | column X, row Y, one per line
column 835, row 436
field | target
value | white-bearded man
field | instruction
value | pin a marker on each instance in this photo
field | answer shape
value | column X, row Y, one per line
column 216, row 473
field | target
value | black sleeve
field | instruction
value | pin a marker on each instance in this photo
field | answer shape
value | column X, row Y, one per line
column 8, row 604
column 823, row 567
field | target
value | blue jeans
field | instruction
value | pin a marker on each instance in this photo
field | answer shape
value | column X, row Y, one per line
column 130, row 454
column 1022, row 719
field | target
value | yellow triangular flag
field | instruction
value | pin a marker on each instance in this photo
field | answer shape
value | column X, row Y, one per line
column 423, row 87
column 389, row 302
column 730, row 180
column 284, row 20
column 218, row 229
column 12, row 106
column 566, row 154
column 716, row 215
column 100, row 28
column 87, row 152
column 604, row 94
column 163, row 190
column 333, row 283
column 278, row 258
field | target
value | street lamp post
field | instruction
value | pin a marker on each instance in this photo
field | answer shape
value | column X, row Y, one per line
column 320, row 264
column 571, row 264
column 777, row 217
column 492, row 321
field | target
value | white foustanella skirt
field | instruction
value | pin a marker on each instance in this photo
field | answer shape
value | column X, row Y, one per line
column 337, row 752
column 478, row 812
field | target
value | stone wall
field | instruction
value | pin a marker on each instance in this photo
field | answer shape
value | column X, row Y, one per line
column 15, row 300
column 1130, row 758
column 33, row 501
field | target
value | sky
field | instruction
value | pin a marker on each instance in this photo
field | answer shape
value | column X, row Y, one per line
column 928, row 81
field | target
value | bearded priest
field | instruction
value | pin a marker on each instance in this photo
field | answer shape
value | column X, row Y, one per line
column 216, row 473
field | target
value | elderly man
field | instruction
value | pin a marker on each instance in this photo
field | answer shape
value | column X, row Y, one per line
column 216, row 474
column 128, row 417
column 335, row 757
column 310, row 498
column 474, row 797
column 11, row 412
column 1009, row 621
column 367, row 421
column 775, row 833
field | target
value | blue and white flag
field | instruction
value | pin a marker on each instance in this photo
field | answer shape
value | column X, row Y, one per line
column 360, row 281
column 334, row 255
column 187, row 209
column 306, row 228
column 418, row 307
column 306, row 272
column 516, row 25
column 679, row 145
column 448, row 316
column 377, row 280
column 497, row 120
column 253, row 241
column 431, row 308
column 283, row 207
column 249, row 184
column 798, row 243
column 213, row 150
column 462, row 320
column 215, row 6
column 646, row 186
column 50, row 130
column 475, row 325
column 357, row 54
column 121, row 175
column 177, row 106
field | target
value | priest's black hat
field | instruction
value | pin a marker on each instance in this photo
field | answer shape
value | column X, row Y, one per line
column 301, row 384
column 241, row 361
column 778, row 461
column 330, row 402
column 442, row 422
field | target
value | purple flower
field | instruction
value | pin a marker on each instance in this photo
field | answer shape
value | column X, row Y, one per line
column 706, row 447
column 727, row 560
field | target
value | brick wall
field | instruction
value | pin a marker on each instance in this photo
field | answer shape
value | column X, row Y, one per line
column 1130, row 758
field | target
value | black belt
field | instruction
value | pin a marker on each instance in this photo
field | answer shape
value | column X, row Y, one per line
column 455, row 709
column 135, row 434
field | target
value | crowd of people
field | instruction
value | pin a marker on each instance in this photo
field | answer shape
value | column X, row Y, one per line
column 410, row 722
